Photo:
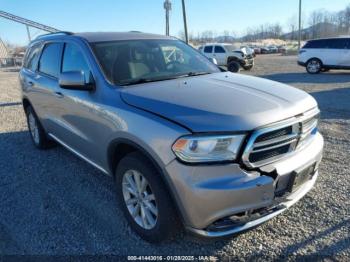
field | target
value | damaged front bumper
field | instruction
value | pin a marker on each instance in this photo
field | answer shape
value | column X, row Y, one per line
column 221, row 200
column 252, row 218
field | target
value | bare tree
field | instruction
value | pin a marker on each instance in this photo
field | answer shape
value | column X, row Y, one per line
column 293, row 26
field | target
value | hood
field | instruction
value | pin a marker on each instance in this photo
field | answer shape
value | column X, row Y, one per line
column 219, row 102
column 246, row 51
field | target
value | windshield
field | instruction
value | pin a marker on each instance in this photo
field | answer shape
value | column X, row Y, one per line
column 138, row 61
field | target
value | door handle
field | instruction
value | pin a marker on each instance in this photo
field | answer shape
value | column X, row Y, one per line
column 30, row 83
column 58, row 94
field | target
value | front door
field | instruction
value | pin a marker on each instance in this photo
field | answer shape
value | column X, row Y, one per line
column 208, row 51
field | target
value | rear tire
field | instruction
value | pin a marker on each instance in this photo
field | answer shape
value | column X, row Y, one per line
column 233, row 67
column 36, row 131
column 153, row 220
column 314, row 66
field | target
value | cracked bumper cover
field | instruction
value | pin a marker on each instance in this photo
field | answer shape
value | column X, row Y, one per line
column 206, row 194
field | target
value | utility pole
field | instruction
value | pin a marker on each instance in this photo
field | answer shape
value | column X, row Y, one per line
column 185, row 20
column 167, row 7
column 299, row 36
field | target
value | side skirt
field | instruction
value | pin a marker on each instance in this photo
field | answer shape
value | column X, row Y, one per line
column 78, row 154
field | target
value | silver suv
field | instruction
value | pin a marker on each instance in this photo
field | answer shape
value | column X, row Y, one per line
column 189, row 146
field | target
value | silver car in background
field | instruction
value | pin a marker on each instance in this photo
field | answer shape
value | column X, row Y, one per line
column 189, row 145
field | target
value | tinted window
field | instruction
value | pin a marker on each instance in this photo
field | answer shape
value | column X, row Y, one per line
column 50, row 59
column 208, row 49
column 310, row 44
column 73, row 60
column 219, row 49
column 337, row 43
column 33, row 57
column 313, row 44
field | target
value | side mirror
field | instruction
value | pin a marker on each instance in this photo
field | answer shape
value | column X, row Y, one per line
column 213, row 60
column 74, row 80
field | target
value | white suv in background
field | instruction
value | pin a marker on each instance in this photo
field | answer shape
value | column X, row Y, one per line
column 229, row 55
column 324, row 54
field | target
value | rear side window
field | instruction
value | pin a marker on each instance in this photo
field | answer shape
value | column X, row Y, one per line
column 74, row 60
column 208, row 49
column 50, row 59
column 32, row 58
column 336, row 43
column 219, row 49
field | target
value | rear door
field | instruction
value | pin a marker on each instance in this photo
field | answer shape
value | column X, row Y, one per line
column 220, row 55
column 28, row 75
column 46, row 85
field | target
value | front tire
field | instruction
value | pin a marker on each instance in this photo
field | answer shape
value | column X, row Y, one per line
column 314, row 66
column 36, row 131
column 233, row 67
column 145, row 202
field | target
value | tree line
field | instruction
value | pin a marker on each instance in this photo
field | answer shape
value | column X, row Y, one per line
column 320, row 23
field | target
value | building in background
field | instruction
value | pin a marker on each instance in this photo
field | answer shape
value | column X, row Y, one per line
column 4, row 54
column 11, row 56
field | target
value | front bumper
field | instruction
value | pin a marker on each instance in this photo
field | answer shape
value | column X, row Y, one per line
column 276, row 210
column 208, row 194
column 247, row 62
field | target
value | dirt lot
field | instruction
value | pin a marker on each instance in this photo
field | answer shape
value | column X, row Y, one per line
column 51, row 202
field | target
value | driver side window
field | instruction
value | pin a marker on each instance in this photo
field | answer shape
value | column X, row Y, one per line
column 74, row 60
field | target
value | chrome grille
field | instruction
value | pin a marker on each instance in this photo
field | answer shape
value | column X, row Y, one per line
column 274, row 142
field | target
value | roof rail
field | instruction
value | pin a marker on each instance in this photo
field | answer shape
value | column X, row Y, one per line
column 56, row 33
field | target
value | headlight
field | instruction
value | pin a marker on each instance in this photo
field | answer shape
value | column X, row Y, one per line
column 196, row 149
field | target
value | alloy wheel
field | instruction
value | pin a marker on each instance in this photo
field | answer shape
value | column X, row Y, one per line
column 139, row 199
column 314, row 66
column 33, row 128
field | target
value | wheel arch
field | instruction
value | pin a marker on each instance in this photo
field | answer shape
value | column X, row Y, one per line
column 233, row 59
column 26, row 103
column 120, row 147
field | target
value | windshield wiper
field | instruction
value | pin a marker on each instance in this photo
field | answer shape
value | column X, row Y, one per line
column 191, row 74
column 198, row 73
column 148, row 80
column 138, row 81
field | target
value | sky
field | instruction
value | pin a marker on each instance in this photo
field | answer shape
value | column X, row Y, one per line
column 149, row 16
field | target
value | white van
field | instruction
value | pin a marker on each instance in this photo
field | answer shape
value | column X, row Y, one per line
column 324, row 54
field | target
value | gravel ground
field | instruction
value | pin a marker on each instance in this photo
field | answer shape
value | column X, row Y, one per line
column 51, row 202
